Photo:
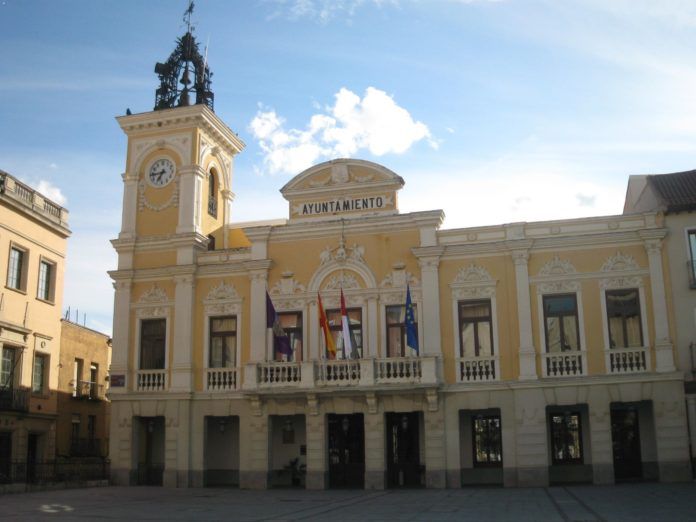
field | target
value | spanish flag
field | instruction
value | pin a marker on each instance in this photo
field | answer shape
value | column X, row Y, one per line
column 324, row 325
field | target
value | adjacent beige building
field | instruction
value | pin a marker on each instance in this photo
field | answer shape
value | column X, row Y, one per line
column 546, row 350
column 674, row 197
column 33, row 234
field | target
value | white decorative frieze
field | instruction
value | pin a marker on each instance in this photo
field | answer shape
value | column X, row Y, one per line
column 619, row 263
column 153, row 295
column 473, row 274
column 287, row 285
column 558, row 287
column 341, row 254
column 143, row 202
column 221, row 292
column 473, row 282
column 341, row 281
column 613, row 283
column 399, row 278
column 222, row 299
column 557, row 266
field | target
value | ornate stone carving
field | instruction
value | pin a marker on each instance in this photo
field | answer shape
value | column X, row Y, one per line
column 143, row 202
column 431, row 397
column 152, row 311
column 558, row 287
column 471, row 275
column 371, row 401
column 479, row 292
column 619, row 262
column 340, row 253
column 621, row 282
column 153, row 295
column 287, row 286
column 312, row 404
column 557, row 266
column 344, row 281
column 653, row 246
column 399, row 278
column 255, row 405
column 221, row 292
column 520, row 257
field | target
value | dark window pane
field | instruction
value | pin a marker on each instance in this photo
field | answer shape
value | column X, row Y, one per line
column 487, row 441
column 152, row 344
column 566, row 438
column 623, row 317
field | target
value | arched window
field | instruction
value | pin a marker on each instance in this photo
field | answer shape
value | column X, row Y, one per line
column 212, row 193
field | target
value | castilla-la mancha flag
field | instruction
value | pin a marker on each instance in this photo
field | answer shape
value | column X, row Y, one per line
column 324, row 325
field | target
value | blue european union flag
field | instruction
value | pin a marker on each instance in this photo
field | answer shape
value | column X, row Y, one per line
column 411, row 332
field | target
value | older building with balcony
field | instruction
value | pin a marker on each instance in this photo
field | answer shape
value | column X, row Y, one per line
column 539, row 352
column 33, row 236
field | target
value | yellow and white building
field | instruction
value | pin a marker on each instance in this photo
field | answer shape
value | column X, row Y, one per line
column 545, row 349
column 33, row 237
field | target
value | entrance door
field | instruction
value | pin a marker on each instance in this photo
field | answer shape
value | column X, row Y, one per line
column 5, row 457
column 151, row 451
column 32, row 454
column 346, row 451
column 625, row 436
column 403, row 450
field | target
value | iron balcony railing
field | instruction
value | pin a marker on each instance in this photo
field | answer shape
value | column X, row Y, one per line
column 86, row 448
column 46, row 472
column 88, row 390
column 14, row 399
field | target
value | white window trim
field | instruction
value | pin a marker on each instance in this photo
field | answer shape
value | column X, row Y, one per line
column 399, row 300
column 24, row 271
column 634, row 283
column 46, row 370
column 152, row 313
column 222, row 300
column 51, row 282
column 558, row 288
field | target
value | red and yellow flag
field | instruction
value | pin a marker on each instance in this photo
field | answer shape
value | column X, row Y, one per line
column 324, row 325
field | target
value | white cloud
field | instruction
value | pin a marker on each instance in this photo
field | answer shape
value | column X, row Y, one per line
column 374, row 123
column 52, row 192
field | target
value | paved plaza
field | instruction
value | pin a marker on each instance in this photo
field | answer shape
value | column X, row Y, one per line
column 630, row 503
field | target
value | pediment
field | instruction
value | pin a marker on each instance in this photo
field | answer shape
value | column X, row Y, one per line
column 342, row 187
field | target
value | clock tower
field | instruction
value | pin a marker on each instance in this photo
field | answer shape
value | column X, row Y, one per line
column 177, row 198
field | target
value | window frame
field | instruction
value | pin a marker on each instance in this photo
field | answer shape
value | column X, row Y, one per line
column 578, row 323
column 50, row 294
column 23, row 269
column 140, row 342
column 566, row 461
column 293, row 329
column 477, row 347
column 223, row 334
column 486, row 464
column 624, row 326
column 213, row 190
column 402, row 327
column 16, row 365
column 45, row 366
column 691, row 253
column 339, row 327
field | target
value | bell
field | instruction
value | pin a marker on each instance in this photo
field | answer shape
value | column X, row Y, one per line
column 185, row 80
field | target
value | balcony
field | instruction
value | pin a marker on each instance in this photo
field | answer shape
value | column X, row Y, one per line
column 627, row 360
column 483, row 368
column 14, row 399
column 342, row 374
column 88, row 390
column 220, row 379
column 151, row 380
column 563, row 364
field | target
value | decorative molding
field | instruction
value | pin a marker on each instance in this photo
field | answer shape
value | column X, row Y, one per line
column 288, row 285
column 621, row 282
column 398, row 279
column 152, row 312
column 173, row 200
column 340, row 253
column 431, row 397
column 312, row 404
column 223, row 291
column 557, row 267
column 520, row 257
column 558, row 287
column 472, row 275
column 371, row 401
column 342, row 281
column 481, row 292
column 154, row 295
column 619, row 262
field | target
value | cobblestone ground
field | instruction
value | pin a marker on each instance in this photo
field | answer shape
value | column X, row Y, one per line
column 630, row 503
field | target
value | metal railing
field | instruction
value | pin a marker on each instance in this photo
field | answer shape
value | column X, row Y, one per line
column 14, row 399
column 86, row 448
column 88, row 390
column 63, row 470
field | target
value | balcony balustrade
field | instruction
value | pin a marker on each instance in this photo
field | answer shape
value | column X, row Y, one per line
column 14, row 399
column 151, row 380
column 88, row 390
column 478, row 369
column 220, row 379
column 563, row 364
column 627, row 360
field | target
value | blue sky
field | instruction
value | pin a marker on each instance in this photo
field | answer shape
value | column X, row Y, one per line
column 494, row 111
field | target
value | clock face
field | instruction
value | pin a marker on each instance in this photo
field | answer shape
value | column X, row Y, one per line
column 161, row 172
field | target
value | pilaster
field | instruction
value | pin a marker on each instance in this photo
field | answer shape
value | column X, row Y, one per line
column 316, row 452
column 429, row 261
column 181, row 373
column 375, row 471
column 257, row 319
column 435, row 449
column 190, row 182
column 130, row 205
column 527, row 352
column 120, row 345
column 531, row 439
column 664, row 354
column 253, row 451
column 600, row 435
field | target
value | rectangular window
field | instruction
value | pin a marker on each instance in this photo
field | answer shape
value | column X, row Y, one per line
column 223, row 342
column 561, row 323
column 39, row 376
column 566, row 438
column 623, row 317
column 475, row 328
column 396, row 331
column 291, row 322
column 77, row 377
column 75, row 432
column 355, row 329
column 93, row 381
column 91, row 426
column 46, row 277
column 487, row 438
column 153, row 336
column 15, row 269
column 7, row 370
